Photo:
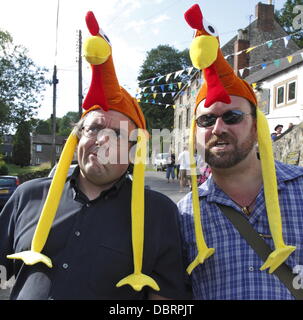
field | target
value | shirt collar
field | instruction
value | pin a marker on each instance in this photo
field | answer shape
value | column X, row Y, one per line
column 106, row 193
column 284, row 173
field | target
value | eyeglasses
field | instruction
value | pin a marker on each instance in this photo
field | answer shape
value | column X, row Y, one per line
column 92, row 132
column 229, row 117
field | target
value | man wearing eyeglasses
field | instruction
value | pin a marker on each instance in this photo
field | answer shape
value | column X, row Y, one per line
column 97, row 234
column 244, row 191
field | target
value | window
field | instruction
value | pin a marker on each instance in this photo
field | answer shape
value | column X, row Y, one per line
column 187, row 117
column 291, row 96
column 286, row 93
column 180, row 121
column 280, row 95
column 57, row 149
column 38, row 148
column 37, row 160
column 181, row 99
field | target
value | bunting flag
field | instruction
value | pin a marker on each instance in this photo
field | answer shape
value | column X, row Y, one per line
column 286, row 40
column 168, row 76
column 269, row 43
column 249, row 49
column 277, row 62
column 178, row 73
column 289, row 58
column 179, row 85
column 241, row 72
column 189, row 70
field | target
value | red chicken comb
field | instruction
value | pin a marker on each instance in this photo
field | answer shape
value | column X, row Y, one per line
column 92, row 23
column 194, row 17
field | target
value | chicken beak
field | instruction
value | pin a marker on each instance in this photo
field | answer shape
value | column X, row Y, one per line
column 96, row 50
column 203, row 51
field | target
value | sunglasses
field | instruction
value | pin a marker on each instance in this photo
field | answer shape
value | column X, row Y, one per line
column 229, row 117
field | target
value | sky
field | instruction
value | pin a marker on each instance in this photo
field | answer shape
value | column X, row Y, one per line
column 134, row 27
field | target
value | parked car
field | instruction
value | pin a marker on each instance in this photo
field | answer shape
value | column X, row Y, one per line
column 8, row 184
column 161, row 161
column 70, row 170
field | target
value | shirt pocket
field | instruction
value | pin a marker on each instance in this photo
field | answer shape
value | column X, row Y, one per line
column 110, row 264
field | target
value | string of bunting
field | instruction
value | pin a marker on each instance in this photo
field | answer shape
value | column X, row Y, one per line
column 269, row 43
column 157, row 103
column 276, row 63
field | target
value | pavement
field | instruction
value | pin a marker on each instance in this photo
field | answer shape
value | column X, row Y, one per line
column 154, row 180
column 157, row 181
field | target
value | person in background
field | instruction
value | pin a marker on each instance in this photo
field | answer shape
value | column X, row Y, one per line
column 170, row 170
column 183, row 161
column 278, row 132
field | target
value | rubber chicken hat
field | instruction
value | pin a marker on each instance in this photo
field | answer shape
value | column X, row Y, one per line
column 221, row 82
column 106, row 94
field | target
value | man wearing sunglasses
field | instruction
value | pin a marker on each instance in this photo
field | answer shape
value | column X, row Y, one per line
column 264, row 194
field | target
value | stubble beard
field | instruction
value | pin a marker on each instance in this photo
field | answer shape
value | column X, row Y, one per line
column 230, row 158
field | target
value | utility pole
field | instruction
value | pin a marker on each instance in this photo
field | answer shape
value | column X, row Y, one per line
column 80, row 96
column 55, row 82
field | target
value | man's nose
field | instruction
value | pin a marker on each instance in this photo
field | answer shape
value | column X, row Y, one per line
column 219, row 127
column 101, row 138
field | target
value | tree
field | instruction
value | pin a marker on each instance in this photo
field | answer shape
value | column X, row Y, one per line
column 22, row 144
column 161, row 61
column 286, row 18
column 21, row 84
column 43, row 127
column 67, row 123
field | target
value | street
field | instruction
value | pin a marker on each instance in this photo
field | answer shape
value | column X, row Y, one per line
column 157, row 181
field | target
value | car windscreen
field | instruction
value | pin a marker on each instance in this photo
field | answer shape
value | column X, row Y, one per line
column 7, row 182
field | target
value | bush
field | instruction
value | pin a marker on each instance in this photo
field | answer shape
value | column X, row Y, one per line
column 3, row 166
column 3, row 169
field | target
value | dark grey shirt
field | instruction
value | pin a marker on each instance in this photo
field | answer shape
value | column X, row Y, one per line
column 90, row 243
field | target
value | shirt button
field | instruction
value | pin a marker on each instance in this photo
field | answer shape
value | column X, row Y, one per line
column 65, row 265
column 106, row 198
column 77, row 233
column 251, row 269
column 88, row 205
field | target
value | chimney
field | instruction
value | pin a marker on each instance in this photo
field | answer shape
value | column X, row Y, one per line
column 241, row 60
column 265, row 16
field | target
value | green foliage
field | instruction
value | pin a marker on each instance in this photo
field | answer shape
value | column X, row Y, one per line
column 67, row 123
column 21, row 145
column 286, row 17
column 161, row 61
column 64, row 125
column 21, row 84
column 3, row 166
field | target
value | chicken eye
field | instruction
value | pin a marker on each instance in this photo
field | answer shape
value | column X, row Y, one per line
column 210, row 28
column 104, row 36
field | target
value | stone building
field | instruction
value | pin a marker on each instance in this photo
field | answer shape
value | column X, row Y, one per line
column 41, row 148
column 262, row 33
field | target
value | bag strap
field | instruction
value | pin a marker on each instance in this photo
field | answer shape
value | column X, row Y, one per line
column 284, row 273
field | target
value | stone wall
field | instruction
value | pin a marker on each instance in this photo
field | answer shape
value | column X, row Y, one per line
column 288, row 147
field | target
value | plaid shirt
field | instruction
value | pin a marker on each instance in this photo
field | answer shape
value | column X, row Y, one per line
column 233, row 271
